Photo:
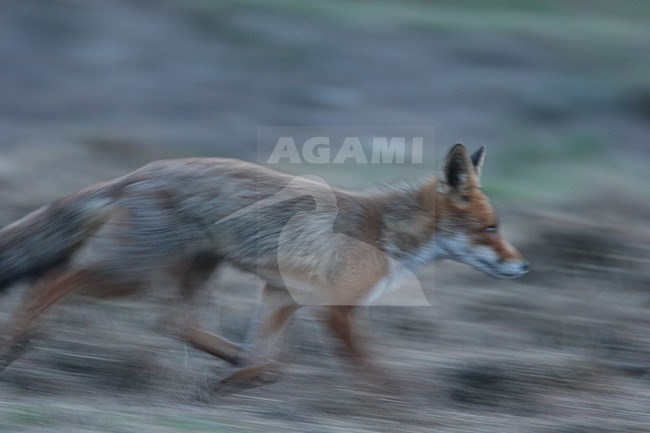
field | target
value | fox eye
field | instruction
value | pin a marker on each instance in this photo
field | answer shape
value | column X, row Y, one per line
column 490, row 229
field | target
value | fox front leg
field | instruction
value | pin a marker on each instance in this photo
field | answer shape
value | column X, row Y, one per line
column 260, row 364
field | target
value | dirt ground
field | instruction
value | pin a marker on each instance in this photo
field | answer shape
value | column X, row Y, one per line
column 92, row 90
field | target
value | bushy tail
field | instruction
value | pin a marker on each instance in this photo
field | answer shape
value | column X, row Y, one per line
column 48, row 236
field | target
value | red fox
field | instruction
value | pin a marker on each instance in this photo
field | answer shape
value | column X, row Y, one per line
column 185, row 217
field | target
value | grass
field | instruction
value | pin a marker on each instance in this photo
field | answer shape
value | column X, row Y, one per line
column 548, row 169
column 25, row 418
column 54, row 417
column 191, row 423
column 551, row 19
column 574, row 167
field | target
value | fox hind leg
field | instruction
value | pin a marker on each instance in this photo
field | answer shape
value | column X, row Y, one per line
column 49, row 290
column 198, row 272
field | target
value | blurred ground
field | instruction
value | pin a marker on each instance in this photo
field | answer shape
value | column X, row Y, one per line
column 558, row 91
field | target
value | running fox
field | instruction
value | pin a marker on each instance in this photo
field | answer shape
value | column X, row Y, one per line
column 310, row 243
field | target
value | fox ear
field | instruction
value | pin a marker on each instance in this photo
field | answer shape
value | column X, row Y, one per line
column 459, row 170
column 477, row 160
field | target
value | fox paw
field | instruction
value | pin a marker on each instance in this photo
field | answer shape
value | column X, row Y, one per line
column 249, row 377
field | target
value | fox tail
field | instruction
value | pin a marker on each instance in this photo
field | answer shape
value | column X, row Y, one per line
column 48, row 236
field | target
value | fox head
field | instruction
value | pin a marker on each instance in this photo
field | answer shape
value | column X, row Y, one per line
column 467, row 227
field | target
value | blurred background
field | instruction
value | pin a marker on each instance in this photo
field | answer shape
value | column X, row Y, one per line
column 559, row 91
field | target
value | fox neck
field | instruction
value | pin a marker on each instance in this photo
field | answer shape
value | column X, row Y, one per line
column 408, row 222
